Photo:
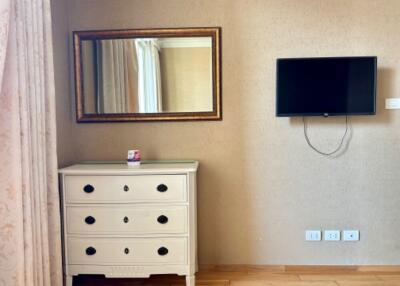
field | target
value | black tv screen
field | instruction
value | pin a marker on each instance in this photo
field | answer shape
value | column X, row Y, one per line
column 326, row 86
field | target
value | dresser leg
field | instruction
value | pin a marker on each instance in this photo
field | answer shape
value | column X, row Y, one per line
column 68, row 280
column 190, row 280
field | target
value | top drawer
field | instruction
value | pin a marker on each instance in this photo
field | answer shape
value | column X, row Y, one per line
column 125, row 189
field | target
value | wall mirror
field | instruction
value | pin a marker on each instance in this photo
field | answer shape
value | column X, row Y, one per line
column 148, row 75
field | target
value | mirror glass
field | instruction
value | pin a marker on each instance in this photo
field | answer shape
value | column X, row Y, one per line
column 145, row 75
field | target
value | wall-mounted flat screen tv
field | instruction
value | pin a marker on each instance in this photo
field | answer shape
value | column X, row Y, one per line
column 326, row 86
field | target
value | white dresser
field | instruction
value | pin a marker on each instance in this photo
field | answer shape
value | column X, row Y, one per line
column 123, row 221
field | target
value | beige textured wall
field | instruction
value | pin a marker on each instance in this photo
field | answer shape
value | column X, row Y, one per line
column 260, row 186
column 64, row 98
column 186, row 79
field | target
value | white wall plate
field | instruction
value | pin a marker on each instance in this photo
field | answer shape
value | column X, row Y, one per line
column 313, row 235
column 351, row 235
column 392, row 103
column 332, row 235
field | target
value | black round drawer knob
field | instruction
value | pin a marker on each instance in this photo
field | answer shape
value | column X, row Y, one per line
column 90, row 220
column 126, row 188
column 162, row 251
column 90, row 251
column 162, row 188
column 88, row 189
column 126, row 219
column 162, row 219
column 126, row 250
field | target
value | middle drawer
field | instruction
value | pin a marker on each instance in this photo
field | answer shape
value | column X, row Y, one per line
column 126, row 220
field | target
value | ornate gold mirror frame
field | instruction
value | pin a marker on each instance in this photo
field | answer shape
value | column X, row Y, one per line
column 213, row 114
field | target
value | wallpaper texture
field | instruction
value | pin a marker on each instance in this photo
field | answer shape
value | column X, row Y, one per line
column 260, row 186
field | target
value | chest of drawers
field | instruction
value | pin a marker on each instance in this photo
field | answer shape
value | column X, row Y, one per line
column 122, row 221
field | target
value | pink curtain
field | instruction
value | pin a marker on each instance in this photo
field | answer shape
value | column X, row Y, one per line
column 30, row 247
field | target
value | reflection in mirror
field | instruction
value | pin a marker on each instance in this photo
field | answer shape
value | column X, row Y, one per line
column 147, row 75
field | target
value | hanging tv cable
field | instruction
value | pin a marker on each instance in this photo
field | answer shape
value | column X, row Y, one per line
column 319, row 151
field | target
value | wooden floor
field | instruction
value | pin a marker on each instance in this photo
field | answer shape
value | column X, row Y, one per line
column 261, row 277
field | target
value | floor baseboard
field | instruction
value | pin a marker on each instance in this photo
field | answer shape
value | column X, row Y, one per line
column 300, row 268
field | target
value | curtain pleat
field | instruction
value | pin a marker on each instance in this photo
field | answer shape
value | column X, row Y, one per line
column 149, row 86
column 117, row 76
column 29, row 202
column 5, row 13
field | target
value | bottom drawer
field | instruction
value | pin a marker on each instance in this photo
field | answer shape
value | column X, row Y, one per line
column 129, row 251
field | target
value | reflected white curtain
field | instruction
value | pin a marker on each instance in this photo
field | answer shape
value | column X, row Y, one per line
column 149, row 77
column 116, row 76
column 30, row 247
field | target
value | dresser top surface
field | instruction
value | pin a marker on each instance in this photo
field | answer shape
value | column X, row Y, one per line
column 122, row 168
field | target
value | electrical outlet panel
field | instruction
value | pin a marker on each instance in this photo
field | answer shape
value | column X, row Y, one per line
column 313, row 235
column 351, row 235
column 332, row 235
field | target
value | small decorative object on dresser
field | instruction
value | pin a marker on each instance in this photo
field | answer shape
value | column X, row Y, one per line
column 133, row 158
column 129, row 222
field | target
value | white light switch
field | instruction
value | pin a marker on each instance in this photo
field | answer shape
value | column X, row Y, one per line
column 392, row 103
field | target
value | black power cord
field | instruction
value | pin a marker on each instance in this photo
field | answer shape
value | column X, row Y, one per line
column 318, row 151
